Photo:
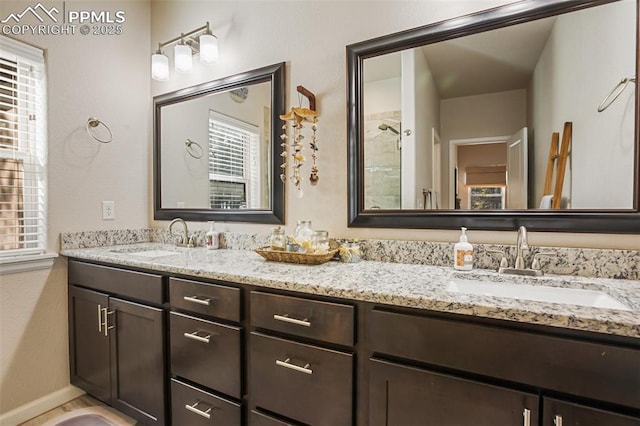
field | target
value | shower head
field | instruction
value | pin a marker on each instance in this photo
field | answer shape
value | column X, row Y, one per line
column 384, row 127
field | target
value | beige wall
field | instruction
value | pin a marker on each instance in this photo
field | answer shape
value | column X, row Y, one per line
column 109, row 77
column 106, row 77
column 311, row 37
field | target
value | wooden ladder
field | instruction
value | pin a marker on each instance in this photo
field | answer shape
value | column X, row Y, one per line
column 557, row 161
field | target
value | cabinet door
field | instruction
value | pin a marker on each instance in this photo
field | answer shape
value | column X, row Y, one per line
column 89, row 343
column 561, row 413
column 137, row 361
column 406, row 396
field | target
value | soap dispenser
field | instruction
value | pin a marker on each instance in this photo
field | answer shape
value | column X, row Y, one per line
column 463, row 253
column 212, row 237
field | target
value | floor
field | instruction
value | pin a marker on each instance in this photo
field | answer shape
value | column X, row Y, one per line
column 81, row 402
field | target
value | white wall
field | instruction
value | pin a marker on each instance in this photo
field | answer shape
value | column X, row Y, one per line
column 419, row 96
column 105, row 77
column 587, row 50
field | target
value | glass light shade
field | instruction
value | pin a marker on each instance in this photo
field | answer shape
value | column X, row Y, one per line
column 208, row 48
column 182, row 58
column 159, row 67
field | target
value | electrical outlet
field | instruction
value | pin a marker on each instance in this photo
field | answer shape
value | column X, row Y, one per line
column 108, row 210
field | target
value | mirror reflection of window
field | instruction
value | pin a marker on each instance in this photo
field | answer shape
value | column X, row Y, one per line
column 234, row 172
column 486, row 197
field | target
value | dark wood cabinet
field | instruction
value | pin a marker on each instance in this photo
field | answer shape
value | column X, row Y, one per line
column 310, row 384
column 89, row 353
column 563, row 413
column 137, row 361
column 405, row 396
column 192, row 406
column 301, row 362
column 287, row 358
column 117, row 346
column 206, row 353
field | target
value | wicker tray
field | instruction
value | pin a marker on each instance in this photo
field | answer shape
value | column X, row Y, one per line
column 292, row 257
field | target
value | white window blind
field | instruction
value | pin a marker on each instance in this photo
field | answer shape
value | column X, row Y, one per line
column 23, row 150
column 234, row 179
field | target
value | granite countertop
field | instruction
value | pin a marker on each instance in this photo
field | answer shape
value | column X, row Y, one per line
column 415, row 286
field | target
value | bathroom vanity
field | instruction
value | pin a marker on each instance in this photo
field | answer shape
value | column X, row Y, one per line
column 198, row 337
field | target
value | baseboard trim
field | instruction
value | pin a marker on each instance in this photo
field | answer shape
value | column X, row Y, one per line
column 40, row 406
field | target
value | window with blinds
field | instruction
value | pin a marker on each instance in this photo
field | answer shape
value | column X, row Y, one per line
column 234, row 179
column 23, row 153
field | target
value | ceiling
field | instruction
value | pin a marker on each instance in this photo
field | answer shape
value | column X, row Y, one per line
column 492, row 61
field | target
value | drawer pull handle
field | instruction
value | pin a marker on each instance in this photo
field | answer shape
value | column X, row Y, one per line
column 194, row 409
column 557, row 420
column 195, row 336
column 196, row 299
column 527, row 417
column 287, row 318
column 286, row 363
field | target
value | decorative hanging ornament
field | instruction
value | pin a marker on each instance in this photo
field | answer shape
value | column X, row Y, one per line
column 298, row 116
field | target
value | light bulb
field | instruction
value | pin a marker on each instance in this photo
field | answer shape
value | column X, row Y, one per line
column 208, row 49
column 182, row 58
column 159, row 67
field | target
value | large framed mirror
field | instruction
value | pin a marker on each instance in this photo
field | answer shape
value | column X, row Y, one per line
column 214, row 149
column 492, row 121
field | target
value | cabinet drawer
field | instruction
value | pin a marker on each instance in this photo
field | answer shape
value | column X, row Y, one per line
column 593, row 370
column 259, row 419
column 302, row 382
column 136, row 285
column 206, row 353
column 204, row 298
column 329, row 322
column 562, row 413
column 195, row 407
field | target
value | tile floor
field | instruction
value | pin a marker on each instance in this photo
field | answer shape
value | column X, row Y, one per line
column 81, row 402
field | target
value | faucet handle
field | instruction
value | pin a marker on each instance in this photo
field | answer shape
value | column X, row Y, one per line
column 504, row 263
column 535, row 264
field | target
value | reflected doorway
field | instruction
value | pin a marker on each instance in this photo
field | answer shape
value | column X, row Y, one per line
column 489, row 173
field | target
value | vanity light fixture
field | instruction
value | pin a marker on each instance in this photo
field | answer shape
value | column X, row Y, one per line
column 199, row 41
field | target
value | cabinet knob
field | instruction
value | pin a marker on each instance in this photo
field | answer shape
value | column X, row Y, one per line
column 526, row 414
column 557, row 420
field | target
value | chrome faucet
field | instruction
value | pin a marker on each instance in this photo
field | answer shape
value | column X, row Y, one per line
column 521, row 244
column 520, row 267
column 184, row 239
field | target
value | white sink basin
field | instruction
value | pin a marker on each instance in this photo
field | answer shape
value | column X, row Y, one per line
column 152, row 253
column 540, row 293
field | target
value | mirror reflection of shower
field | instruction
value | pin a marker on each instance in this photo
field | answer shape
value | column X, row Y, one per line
column 383, row 145
column 386, row 127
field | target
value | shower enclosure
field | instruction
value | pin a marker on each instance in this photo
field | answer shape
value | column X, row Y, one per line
column 382, row 162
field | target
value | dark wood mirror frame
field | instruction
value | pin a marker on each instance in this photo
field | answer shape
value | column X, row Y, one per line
column 274, row 74
column 607, row 221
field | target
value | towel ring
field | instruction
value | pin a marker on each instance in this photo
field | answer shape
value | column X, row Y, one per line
column 193, row 149
column 92, row 123
column 617, row 91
